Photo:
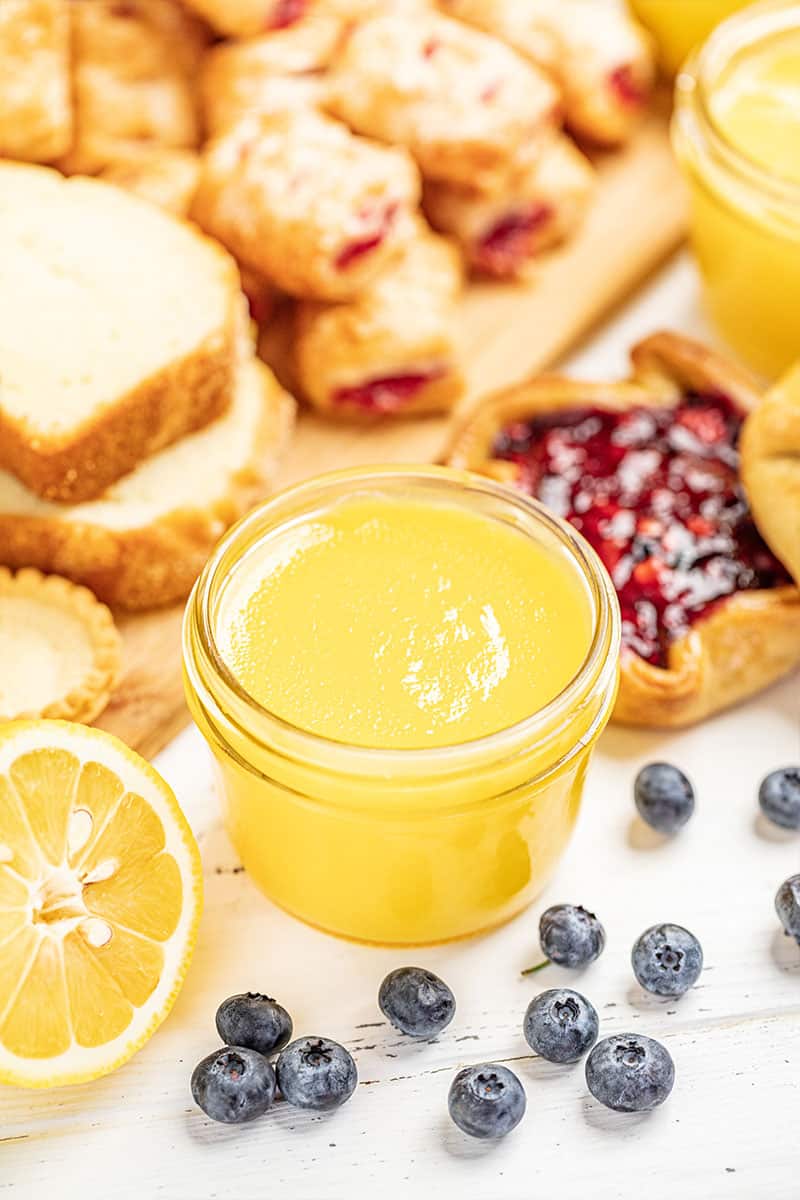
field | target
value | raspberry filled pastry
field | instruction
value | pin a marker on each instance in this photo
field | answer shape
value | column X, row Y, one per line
column 35, row 103
column 391, row 350
column 461, row 102
column 167, row 178
column 601, row 59
column 502, row 235
column 648, row 471
column 132, row 81
column 299, row 199
column 246, row 78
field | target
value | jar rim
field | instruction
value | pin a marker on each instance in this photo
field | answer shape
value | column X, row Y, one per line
column 207, row 669
column 742, row 31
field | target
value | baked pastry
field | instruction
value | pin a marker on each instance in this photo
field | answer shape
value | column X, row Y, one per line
column 167, row 178
column 254, row 77
column 133, row 66
column 461, row 102
column 771, row 469
column 602, row 60
column 35, row 103
column 59, row 646
column 99, row 370
column 647, row 470
column 502, row 235
column 143, row 543
column 301, row 200
column 392, row 349
column 249, row 18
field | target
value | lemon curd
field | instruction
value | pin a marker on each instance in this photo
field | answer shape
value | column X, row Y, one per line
column 737, row 134
column 389, row 623
column 402, row 674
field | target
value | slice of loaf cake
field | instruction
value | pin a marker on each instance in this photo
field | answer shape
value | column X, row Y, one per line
column 118, row 330
column 143, row 543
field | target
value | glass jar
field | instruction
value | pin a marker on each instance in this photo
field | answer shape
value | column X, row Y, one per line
column 745, row 218
column 679, row 25
column 387, row 845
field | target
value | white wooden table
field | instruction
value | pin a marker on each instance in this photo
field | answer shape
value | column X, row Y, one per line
column 730, row 1127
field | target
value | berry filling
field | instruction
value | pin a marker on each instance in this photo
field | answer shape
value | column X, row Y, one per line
column 285, row 13
column 386, row 394
column 511, row 240
column 381, row 221
column 657, row 494
column 626, row 87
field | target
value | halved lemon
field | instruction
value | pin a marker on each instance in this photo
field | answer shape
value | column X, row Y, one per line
column 100, row 897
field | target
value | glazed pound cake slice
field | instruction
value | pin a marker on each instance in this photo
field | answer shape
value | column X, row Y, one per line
column 144, row 542
column 118, row 330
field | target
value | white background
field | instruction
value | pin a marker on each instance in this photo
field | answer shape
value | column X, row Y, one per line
column 730, row 1128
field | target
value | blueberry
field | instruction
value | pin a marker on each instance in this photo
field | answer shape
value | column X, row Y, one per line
column 667, row 960
column 416, row 1001
column 253, row 1020
column 630, row 1073
column 570, row 935
column 787, row 906
column 316, row 1073
column 233, row 1085
column 664, row 797
column 560, row 1025
column 779, row 797
column 486, row 1101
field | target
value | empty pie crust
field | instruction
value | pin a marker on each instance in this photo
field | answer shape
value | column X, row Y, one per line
column 59, row 647
column 747, row 639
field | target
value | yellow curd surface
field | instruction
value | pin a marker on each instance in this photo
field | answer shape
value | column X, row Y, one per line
column 680, row 25
column 402, row 673
column 390, row 623
column 737, row 132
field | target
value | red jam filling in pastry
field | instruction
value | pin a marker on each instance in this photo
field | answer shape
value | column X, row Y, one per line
column 626, row 87
column 657, row 494
column 379, row 222
column 509, row 242
column 285, row 13
column 385, row 394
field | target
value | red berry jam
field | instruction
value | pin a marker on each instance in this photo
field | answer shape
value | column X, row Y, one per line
column 285, row 13
column 511, row 241
column 386, row 394
column 626, row 87
column 656, row 492
column 379, row 221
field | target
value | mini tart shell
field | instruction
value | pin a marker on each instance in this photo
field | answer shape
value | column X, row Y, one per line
column 748, row 640
column 88, row 698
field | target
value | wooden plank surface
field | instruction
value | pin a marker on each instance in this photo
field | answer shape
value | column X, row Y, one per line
column 507, row 332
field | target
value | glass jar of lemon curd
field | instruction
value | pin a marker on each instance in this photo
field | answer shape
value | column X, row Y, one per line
column 736, row 131
column 402, row 674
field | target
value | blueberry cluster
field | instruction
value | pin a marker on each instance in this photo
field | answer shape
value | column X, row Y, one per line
column 239, row 1083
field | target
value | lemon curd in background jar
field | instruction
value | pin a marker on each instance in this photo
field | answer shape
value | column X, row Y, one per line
column 737, row 134
column 680, row 25
column 402, row 675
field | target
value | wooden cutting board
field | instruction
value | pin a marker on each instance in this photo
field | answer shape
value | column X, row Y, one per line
column 508, row 331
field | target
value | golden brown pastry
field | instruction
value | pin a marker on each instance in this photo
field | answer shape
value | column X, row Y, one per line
column 771, row 469
column 647, row 470
column 251, row 18
column 303, row 202
column 391, row 350
column 133, row 66
column 461, row 102
column 35, row 104
column 600, row 57
column 503, row 234
column 255, row 77
column 167, row 178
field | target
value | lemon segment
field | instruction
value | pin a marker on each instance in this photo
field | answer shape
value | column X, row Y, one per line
column 100, row 897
